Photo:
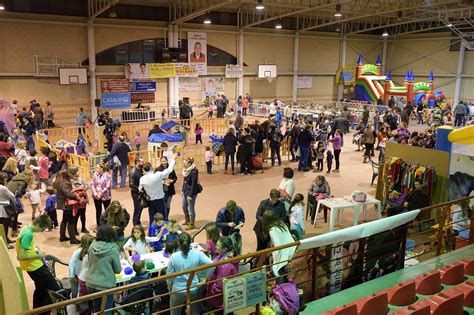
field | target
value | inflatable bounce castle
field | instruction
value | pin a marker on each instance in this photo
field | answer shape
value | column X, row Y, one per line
column 370, row 85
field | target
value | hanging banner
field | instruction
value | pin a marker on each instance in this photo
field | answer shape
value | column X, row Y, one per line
column 197, row 50
column 162, row 70
column 212, row 86
column 142, row 86
column 116, row 100
column 189, row 84
column 234, row 71
column 186, row 70
column 345, row 76
column 304, row 83
column 145, row 98
column 134, row 71
column 114, row 85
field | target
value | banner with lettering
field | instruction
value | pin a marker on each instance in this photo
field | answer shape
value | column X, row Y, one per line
column 114, row 85
column 234, row 71
column 189, row 84
column 162, row 70
column 186, row 70
column 116, row 100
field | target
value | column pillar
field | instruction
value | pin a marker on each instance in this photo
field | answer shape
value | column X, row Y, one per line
column 92, row 70
column 384, row 55
column 457, row 89
column 171, row 89
column 296, row 49
column 176, row 80
column 342, row 63
column 240, row 61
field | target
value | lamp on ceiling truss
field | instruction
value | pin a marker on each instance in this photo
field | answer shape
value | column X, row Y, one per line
column 385, row 33
column 2, row 7
column 448, row 23
column 207, row 19
column 278, row 24
column 338, row 10
column 260, row 5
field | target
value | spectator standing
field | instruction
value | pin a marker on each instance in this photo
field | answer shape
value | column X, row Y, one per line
column 275, row 137
column 304, row 142
column 230, row 143
column 101, row 190
column 459, row 112
column 49, row 115
column 230, row 220
column 191, row 188
column 168, row 184
column 119, row 154
column 134, row 182
column 245, row 150
column 337, row 147
column 63, row 187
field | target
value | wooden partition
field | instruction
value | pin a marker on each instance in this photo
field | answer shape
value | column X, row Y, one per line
column 13, row 298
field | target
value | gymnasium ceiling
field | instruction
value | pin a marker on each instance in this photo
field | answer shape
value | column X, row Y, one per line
column 396, row 17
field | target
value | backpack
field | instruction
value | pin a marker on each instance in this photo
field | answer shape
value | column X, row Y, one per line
column 287, row 296
column 276, row 137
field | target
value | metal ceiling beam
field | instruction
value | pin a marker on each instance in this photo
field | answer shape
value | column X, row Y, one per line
column 290, row 14
column 200, row 12
column 97, row 7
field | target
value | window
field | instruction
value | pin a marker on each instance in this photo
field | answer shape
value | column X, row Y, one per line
column 151, row 50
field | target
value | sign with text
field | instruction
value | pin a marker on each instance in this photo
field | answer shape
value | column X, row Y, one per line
column 234, row 71
column 186, row 70
column 212, row 86
column 304, row 82
column 114, row 85
column 135, row 71
column 142, row 86
column 146, row 98
column 116, row 100
column 244, row 291
column 345, row 76
column 162, row 70
column 189, row 84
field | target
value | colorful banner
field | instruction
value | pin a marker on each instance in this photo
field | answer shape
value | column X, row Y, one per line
column 186, row 70
column 162, row 70
column 134, row 71
column 304, row 83
column 142, row 86
column 189, row 84
column 116, row 100
column 212, row 86
column 234, row 71
column 114, row 85
column 345, row 76
column 145, row 98
column 197, row 50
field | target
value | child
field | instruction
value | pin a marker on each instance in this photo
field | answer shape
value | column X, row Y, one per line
column 79, row 187
column 137, row 243
column 44, row 165
column 137, row 140
column 198, row 131
column 173, row 234
column 320, row 155
column 34, row 195
column 208, row 156
column 213, row 235
column 76, row 262
column 140, row 274
column 50, row 207
column 329, row 158
column 296, row 216
column 21, row 155
column 158, row 229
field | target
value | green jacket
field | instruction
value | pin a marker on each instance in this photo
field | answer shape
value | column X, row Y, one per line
column 104, row 263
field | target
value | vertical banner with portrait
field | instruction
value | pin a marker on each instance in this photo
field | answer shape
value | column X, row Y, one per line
column 211, row 86
column 197, row 51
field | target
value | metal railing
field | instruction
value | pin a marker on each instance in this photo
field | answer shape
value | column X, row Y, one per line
column 313, row 270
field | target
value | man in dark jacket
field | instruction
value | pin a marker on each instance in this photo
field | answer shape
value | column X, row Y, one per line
column 120, row 150
column 294, row 133
column 133, row 182
column 304, row 142
column 365, row 116
column 246, row 149
column 239, row 122
column 273, row 204
column 229, row 143
column 275, row 138
column 229, row 217
column 416, row 199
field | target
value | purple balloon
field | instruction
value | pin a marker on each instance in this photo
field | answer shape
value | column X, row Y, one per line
column 135, row 257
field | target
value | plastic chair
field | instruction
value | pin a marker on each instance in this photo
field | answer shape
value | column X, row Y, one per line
column 428, row 283
column 402, row 294
column 440, row 306
column 375, row 304
column 375, row 171
column 421, row 311
column 59, row 296
column 468, row 266
column 452, row 274
column 51, row 262
column 139, row 295
column 344, row 310
column 200, row 230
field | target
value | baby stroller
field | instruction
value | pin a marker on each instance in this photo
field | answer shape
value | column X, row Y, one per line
column 357, row 137
column 257, row 163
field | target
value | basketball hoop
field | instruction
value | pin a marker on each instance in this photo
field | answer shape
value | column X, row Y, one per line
column 269, row 78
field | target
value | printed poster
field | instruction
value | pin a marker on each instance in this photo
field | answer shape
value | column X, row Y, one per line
column 461, row 169
column 186, row 70
column 144, row 98
column 345, row 76
column 244, row 291
column 187, row 84
column 116, row 100
column 304, row 83
column 212, row 86
column 234, row 71
column 136, row 71
column 142, row 86
column 162, row 70
column 197, row 50
column 114, row 85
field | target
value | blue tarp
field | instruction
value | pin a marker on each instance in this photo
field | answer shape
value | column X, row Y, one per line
column 168, row 125
column 161, row 137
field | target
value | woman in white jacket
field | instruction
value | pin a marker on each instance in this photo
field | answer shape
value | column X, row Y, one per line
column 6, row 197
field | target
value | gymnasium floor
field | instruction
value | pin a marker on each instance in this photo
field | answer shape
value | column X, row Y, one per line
column 247, row 191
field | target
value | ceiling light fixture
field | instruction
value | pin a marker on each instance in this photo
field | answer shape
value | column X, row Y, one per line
column 2, row 7
column 449, row 24
column 207, row 20
column 260, row 5
column 385, row 33
column 278, row 25
column 338, row 11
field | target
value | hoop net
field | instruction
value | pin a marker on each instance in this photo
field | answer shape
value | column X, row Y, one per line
column 269, row 78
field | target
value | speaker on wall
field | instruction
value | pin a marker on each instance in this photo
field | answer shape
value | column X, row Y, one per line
column 97, row 102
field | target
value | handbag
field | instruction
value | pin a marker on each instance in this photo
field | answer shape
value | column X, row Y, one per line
column 144, row 198
column 10, row 209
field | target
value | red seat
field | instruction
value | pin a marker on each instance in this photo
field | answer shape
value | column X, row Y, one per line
column 428, row 283
column 422, row 311
column 375, row 304
column 402, row 294
column 452, row 274
column 468, row 266
column 440, row 306
column 345, row 310
column 465, row 288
